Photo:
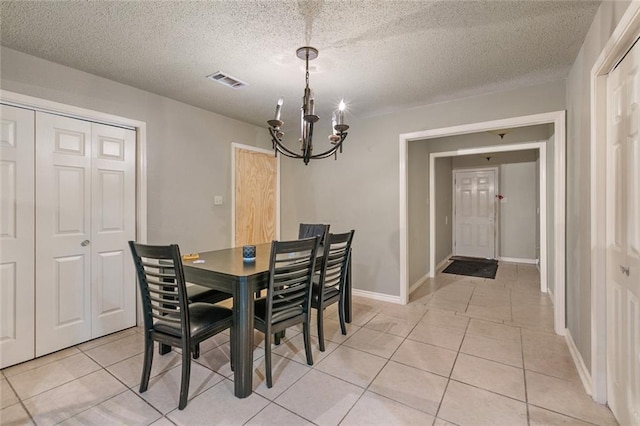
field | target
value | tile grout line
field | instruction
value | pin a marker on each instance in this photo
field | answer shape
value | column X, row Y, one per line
column 366, row 389
column 524, row 376
column 453, row 366
column 20, row 401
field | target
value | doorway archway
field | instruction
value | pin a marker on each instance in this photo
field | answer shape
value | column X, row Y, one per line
column 558, row 120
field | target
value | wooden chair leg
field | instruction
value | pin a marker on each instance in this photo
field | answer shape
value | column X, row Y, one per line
column 186, row 374
column 343, row 325
column 232, row 346
column 146, row 366
column 267, row 358
column 307, row 341
column 320, row 321
column 164, row 349
column 196, row 351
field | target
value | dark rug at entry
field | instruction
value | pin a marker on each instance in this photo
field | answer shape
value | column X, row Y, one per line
column 483, row 268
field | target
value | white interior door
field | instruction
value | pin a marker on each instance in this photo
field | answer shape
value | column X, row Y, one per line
column 85, row 196
column 16, row 235
column 63, row 232
column 474, row 213
column 623, row 239
column 113, row 289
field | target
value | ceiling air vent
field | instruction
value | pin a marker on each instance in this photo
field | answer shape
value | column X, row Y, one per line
column 227, row 80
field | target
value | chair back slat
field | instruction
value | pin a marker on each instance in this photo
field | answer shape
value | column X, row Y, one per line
column 291, row 269
column 162, row 285
column 335, row 262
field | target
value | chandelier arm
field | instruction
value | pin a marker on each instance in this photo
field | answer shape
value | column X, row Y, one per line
column 278, row 145
column 331, row 150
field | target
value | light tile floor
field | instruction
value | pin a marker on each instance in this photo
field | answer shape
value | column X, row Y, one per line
column 465, row 351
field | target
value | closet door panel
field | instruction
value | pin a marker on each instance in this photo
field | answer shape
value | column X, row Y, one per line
column 113, row 224
column 16, row 235
column 63, row 232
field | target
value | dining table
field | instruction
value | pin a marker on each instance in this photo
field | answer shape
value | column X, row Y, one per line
column 225, row 270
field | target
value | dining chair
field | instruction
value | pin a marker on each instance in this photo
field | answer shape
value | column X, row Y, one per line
column 329, row 286
column 198, row 293
column 288, row 299
column 308, row 230
column 169, row 318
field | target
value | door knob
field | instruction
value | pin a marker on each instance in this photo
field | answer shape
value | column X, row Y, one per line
column 85, row 243
column 624, row 270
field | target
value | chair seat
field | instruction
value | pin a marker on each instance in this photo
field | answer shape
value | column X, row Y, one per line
column 261, row 312
column 329, row 294
column 198, row 293
column 204, row 319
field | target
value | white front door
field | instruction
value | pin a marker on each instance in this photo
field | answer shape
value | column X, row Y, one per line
column 85, row 183
column 474, row 213
column 16, row 236
column 623, row 239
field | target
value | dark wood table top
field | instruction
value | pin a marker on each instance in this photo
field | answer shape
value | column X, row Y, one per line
column 229, row 261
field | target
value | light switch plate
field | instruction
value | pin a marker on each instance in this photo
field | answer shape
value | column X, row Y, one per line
column 217, row 200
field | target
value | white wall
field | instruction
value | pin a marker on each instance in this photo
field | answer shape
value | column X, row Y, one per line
column 418, row 199
column 189, row 149
column 444, row 208
column 518, row 214
column 578, row 97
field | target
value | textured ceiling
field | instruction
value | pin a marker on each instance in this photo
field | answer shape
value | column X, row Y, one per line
column 380, row 56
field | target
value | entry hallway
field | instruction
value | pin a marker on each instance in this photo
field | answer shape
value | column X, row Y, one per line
column 465, row 351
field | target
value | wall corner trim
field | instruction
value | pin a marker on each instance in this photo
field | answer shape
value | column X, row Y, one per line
column 583, row 372
column 418, row 283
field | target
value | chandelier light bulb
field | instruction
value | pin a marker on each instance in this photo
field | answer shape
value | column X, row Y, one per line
column 279, row 109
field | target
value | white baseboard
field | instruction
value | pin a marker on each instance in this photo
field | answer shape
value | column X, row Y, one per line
column 418, row 283
column 583, row 372
column 443, row 262
column 518, row 260
column 376, row 296
column 553, row 300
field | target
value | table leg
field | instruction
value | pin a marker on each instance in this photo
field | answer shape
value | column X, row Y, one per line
column 243, row 335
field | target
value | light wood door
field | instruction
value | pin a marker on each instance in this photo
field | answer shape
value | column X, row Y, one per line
column 474, row 227
column 113, row 285
column 256, row 196
column 85, row 183
column 623, row 239
column 16, row 235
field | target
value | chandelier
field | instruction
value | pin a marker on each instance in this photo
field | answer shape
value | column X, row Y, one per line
column 307, row 120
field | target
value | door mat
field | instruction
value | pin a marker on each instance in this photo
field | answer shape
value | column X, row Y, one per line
column 483, row 268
